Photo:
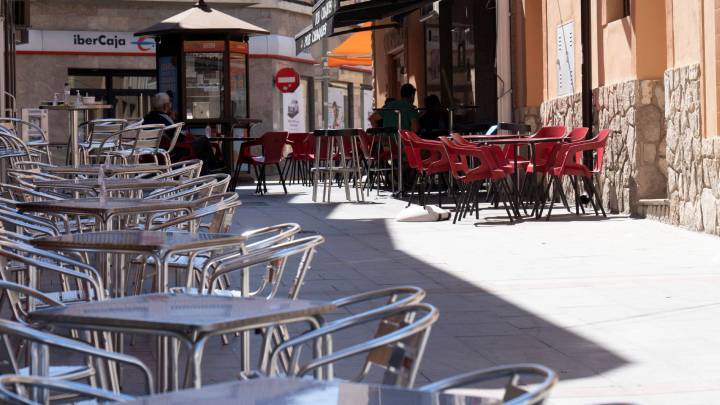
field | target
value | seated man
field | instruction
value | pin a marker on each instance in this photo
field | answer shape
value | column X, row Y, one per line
column 408, row 111
column 187, row 146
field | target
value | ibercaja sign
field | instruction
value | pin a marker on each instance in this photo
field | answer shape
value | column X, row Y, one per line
column 322, row 26
column 87, row 42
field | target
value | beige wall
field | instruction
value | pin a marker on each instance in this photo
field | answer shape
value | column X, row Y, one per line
column 555, row 13
column 626, row 48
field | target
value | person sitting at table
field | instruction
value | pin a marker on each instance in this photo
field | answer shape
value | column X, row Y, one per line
column 434, row 121
column 408, row 111
column 187, row 146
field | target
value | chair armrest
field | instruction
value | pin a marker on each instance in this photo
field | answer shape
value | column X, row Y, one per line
column 492, row 373
column 416, row 295
column 55, row 384
column 8, row 286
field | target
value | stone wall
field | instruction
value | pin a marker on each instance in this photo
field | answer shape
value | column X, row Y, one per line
column 634, row 165
column 693, row 161
column 565, row 111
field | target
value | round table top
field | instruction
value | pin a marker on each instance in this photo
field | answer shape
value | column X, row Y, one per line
column 338, row 132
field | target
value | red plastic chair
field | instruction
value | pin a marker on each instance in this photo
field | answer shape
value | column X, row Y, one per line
column 566, row 164
column 272, row 153
column 461, row 158
column 428, row 159
column 541, row 150
column 297, row 163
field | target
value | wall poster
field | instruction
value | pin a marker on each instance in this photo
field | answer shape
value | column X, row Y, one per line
column 336, row 107
column 294, row 109
column 367, row 107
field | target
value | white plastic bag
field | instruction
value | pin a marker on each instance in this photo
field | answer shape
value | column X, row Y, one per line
column 417, row 213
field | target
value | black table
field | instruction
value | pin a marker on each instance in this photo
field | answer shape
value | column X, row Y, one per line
column 292, row 391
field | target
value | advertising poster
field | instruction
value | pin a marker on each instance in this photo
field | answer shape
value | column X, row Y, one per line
column 336, row 108
column 367, row 107
column 294, row 114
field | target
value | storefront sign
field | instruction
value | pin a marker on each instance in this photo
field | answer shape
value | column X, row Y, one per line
column 287, row 80
column 204, row 46
column 87, row 43
column 238, row 47
column 323, row 13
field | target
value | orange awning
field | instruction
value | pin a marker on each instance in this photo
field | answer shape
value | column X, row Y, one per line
column 356, row 50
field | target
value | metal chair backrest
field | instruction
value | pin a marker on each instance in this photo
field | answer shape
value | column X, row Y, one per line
column 274, row 259
column 29, row 132
column 147, row 137
column 52, row 384
column 86, row 277
column 17, row 330
column 397, row 349
column 98, row 130
column 173, row 133
column 515, row 393
column 185, row 170
column 18, row 294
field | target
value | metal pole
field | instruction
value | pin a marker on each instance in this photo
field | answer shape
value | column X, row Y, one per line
column 325, row 83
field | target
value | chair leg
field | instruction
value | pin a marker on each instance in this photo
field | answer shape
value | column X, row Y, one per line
column 282, row 178
column 591, row 198
column 591, row 183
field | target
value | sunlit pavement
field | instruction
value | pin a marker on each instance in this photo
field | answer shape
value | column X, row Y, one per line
column 625, row 310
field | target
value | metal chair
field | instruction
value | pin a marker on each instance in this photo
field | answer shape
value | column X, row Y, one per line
column 40, row 342
column 397, row 347
column 31, row 134
column 515, row 394
column 96, row 132
column 69, row 387
column 131, row 143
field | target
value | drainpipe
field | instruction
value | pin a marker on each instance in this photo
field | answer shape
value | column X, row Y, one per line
column 586, row 74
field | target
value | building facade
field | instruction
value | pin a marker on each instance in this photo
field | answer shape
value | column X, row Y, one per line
column 654, row 84
column 89, row 44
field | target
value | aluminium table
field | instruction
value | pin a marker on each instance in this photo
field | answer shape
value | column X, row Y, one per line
column 111, row 184
column 295, row 391
column 110, row 170
column 190, row 318
column 104, row 210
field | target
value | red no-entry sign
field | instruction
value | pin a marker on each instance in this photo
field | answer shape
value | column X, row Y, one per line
column 287, row 80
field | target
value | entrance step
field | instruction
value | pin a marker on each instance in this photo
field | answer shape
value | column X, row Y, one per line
column 657, row 209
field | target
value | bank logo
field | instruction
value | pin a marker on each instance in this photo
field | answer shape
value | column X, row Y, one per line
column 144, row 44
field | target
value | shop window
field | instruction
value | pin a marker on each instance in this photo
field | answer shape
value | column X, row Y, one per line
column 86, row 82
column 127, row 91
column 615, row 10
column 204, row 79
column 134, row 82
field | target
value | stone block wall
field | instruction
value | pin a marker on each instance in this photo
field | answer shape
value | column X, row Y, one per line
column 634, row 165
column 693, row 160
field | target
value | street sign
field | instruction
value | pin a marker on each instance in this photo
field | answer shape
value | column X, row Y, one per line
column 322, row 26
column 287, row 80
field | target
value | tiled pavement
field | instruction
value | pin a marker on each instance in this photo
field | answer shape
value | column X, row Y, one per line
column 624, row 310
